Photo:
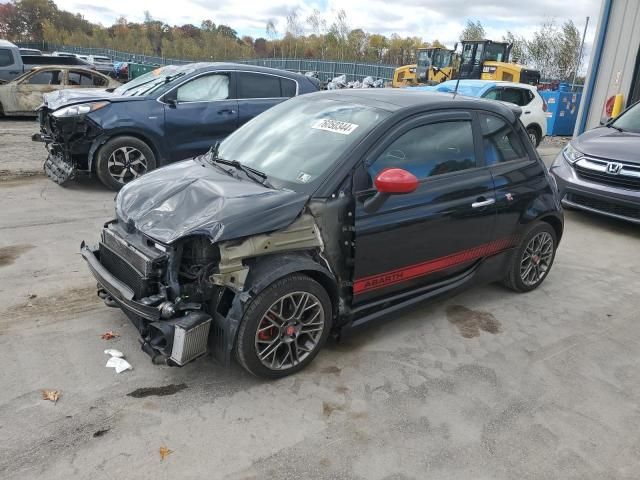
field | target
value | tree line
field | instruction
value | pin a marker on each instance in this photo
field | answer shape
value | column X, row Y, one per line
column 553, row 49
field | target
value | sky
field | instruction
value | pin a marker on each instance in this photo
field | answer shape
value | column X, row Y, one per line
column 429, row 19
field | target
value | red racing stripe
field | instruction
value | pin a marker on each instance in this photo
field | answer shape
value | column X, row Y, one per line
column 393, row 277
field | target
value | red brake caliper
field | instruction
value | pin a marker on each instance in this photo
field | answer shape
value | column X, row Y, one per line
column 268, row 333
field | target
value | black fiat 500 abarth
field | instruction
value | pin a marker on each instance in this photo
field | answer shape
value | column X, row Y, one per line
column 325, row 212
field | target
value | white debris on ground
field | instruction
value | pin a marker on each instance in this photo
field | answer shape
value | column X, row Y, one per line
column 117, row 361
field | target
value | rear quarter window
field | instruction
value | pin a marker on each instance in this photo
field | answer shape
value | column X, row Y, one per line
column 6, row 57
column 288, row 87
column 500, row 142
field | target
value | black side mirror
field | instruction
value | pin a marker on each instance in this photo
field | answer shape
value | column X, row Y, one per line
column 171, row 99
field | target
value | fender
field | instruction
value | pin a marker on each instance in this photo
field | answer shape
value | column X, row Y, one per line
column 105, row 137
column 267, row 270
column 263, row 272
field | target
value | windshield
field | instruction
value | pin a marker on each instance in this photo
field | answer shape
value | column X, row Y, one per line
column 298, row 141
column 629, row 120
column 102, row 59
column 424, row 58
column 463, row 89
column 495, row 52
column 152, row 81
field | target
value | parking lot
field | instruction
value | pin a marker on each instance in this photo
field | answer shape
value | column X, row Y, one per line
column 488, row 384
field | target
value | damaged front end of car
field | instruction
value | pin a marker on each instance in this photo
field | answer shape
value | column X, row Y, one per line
column 68, row 134
column 185, row 278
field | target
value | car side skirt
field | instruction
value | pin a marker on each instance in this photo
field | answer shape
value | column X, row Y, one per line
column 490, row 269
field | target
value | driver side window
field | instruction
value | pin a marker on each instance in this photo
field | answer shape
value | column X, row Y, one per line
column 430, row 150
column 207, row 88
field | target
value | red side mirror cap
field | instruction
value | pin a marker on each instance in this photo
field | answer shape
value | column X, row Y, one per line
column 396, row 180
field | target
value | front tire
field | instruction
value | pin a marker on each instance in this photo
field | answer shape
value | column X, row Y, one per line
column 533, row 259
column 123, row 159
column 284, row 327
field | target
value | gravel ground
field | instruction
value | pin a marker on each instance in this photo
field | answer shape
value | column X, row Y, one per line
column 486, row 385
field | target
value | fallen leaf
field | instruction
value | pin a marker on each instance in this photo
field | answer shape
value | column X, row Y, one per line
column 109, row 335
column 164, row 453
column 52, row 395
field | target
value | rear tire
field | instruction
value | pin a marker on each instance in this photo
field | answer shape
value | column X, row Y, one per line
column 123, row 159
column 533, row 259
column 534, row 136
column 284, row 327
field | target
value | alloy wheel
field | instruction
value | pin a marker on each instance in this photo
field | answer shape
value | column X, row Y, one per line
column 536, row 259
column 533, row 137
column 290, row 330
column 126, row 164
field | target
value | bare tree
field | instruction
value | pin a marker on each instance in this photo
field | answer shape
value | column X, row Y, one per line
column 272, row 33
column 473, row 31
column 294, row 30
column 318, row 27
column 340, row 28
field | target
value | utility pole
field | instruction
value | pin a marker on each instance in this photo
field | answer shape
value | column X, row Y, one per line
column 575, row 74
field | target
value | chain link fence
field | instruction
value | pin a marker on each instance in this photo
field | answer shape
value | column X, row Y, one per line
column 326, row 69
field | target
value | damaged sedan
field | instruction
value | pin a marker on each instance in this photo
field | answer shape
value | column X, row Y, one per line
column 166, row 115
column 320, row 215
column 23, row 95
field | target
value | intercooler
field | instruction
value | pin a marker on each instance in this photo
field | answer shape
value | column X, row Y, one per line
column 181, row 339
column 190, row 338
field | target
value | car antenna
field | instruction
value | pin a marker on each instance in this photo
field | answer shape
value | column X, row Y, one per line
column 455, row 90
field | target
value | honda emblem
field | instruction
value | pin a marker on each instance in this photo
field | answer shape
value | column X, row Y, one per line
column 614, row 168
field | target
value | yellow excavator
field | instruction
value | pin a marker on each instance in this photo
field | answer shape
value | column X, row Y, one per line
column 434, row 65
column 480, row 59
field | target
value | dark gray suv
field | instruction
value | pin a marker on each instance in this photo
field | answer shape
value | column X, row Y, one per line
column 599, row 171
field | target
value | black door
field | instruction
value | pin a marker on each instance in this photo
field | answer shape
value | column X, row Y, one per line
column 471, row 61
column 204, row 112
column 439, row 230
column 519, row 177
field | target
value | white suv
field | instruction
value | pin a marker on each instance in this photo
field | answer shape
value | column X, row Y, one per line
column 534, row 108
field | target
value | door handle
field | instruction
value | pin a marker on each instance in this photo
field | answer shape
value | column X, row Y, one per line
column 526, row 112
column 483, row 203
column 230, row 111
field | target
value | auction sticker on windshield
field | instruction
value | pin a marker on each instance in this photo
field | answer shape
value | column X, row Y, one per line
column 335, row 126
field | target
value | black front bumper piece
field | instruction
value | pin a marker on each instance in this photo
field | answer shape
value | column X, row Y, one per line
column 175, row 341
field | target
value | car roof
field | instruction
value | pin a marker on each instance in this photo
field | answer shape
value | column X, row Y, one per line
column 491, row 83
column 396, row 99
column 212, row 66
column 7, row 43
column 61, row 67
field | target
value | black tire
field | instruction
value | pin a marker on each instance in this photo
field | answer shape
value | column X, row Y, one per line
column 247, row 349
column 514, row 279
column 138, row 151
column 534, row 136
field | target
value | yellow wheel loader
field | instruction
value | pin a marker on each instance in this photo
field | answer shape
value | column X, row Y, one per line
column 488, row 60
column 434, row 65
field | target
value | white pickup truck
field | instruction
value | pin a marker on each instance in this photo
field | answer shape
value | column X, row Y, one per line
column 13, row 64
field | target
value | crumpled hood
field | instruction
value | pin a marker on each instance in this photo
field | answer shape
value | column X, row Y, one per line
column 71, row 96
column 193, row 197
column 610, row 144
